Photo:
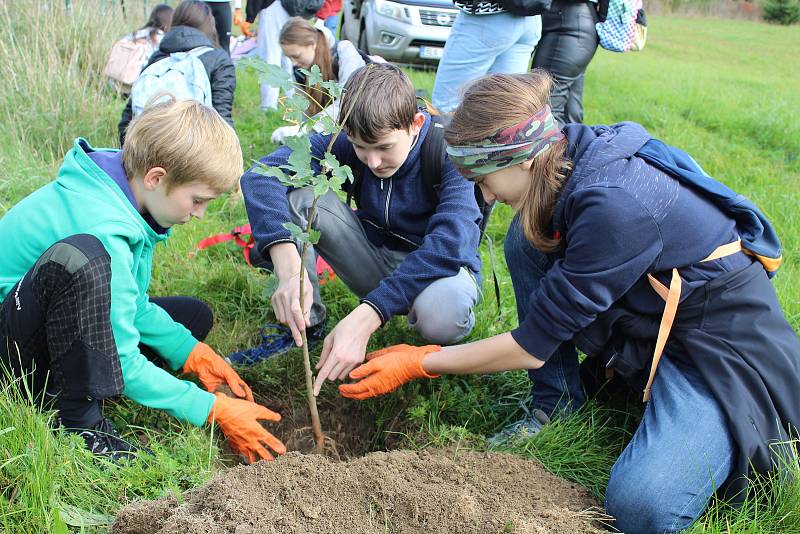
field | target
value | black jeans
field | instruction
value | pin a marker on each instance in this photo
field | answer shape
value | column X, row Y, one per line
column 55, row 328
column 222, row 21
column 568, row 44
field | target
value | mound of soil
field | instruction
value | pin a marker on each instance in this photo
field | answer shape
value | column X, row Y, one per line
column 441, row 491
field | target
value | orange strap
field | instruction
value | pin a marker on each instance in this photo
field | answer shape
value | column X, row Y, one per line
column 672, row 295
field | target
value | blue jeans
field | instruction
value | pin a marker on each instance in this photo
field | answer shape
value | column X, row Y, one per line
column 556, row 385
column 678, row 457
column 332, row 23
column 483, row 44
column 680, row 453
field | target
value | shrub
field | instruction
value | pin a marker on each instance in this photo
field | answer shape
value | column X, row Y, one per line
column 782, row 11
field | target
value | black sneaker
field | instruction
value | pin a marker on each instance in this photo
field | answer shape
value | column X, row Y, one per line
column 103, row 440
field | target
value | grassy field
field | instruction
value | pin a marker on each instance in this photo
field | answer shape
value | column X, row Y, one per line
column 724, row 90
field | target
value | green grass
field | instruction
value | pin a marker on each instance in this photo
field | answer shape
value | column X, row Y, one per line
column 726, row 91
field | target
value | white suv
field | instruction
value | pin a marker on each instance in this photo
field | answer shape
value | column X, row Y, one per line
column 406, row 31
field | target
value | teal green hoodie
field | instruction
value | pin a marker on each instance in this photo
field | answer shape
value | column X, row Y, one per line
column 85, row 200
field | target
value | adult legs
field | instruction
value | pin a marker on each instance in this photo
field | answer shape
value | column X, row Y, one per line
column 568, row 43
column 270, row 22
column 475, row 43
column 222, row 21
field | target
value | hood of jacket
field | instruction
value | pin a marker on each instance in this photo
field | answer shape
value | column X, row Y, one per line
column 183, row 38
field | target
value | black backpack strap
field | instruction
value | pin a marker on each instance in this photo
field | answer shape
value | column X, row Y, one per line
column 432, row 154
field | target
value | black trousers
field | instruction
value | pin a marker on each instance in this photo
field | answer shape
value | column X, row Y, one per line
column 568, row 44
column 223, row 19
column 55, row 325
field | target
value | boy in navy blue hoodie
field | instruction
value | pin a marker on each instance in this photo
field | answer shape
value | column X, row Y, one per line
column 405, row 250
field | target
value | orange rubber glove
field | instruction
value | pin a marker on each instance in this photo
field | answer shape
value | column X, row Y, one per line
column 213, row 371
column 238, row 420
column 388, row 369
column 237, row 17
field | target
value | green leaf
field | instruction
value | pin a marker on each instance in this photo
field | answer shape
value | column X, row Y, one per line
column 338, row 173
column 329, row 125
column 76, row 517
column 321, row 187
column 333, row 88
column 313, row 76
column 295, row 108
column 271, row 75
column 270, row 286
column 276, row 172
column 313, row 236
column 300, row 159
column 297, row 232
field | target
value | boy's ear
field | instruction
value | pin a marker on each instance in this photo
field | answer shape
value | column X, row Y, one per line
column 416, row 124
column 153, row 177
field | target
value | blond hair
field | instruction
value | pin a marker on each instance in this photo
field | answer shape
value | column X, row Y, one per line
column 499, row 101
column 189, row 140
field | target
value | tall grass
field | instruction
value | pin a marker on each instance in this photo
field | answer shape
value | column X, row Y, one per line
column 51, row 84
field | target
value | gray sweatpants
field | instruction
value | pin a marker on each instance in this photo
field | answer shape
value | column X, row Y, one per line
column 441, row 313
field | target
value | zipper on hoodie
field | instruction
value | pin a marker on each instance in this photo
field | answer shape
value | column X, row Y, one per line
column 386, row 209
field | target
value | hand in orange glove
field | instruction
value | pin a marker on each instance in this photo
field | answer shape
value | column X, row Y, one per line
column 237, row 17
column 387, row 370
column 213, row 371
column 238, row 420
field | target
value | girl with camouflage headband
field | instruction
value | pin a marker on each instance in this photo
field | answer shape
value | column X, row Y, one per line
column 657, row 281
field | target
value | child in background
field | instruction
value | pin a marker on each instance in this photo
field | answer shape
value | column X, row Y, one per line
column 306, row 45
column 153, row 31
column 193, row 27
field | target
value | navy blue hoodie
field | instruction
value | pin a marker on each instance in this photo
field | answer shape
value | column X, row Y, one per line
column 620, row 219
column 399, row 212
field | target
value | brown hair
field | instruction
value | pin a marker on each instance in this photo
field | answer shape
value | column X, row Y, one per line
column 196, row 14
column 189, row 140
column 377, row 99
column 160, row 19
column 298, row 31
column 498, row 101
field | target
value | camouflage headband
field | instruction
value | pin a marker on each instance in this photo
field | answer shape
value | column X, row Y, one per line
column 507, row 147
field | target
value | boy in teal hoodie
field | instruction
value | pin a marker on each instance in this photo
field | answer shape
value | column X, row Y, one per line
column 76, row 322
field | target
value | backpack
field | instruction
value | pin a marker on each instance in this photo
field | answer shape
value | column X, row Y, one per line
column 758, row 236
column 524, row 8
column 622, row 26
column 125, row 62
column 181, row 74
column 302, row 8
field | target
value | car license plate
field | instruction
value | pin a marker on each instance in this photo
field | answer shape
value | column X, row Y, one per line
column 430, row 52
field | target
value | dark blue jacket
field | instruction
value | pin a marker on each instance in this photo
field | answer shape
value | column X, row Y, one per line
column 620, row 219
column 400, row 212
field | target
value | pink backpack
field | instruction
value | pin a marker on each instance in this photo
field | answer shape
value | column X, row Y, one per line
column 125, row 62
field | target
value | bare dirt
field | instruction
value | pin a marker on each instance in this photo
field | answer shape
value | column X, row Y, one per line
column 431, row 491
